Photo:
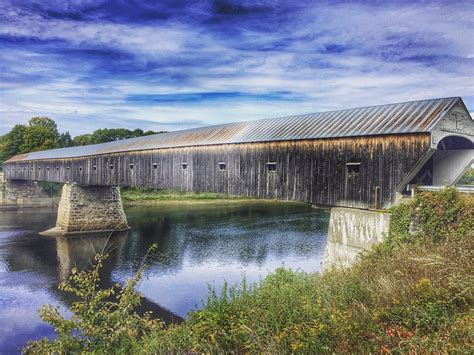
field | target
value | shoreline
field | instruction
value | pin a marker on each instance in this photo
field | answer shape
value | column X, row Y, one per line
column 201, row 201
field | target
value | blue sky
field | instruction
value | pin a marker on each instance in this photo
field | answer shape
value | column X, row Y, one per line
column 172, row 65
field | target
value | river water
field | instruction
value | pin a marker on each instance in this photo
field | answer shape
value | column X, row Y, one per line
column 198, row 245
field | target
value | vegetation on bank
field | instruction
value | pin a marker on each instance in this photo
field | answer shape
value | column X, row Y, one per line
column 140, row 194
column 411, row 293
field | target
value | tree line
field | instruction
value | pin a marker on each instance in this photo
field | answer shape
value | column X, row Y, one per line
column 41, row 133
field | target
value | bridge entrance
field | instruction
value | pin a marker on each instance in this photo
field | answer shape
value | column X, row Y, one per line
column 451, row 160
column 445, row 166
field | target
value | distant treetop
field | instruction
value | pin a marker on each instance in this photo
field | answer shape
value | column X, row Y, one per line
column 109, row 135
column 41, row 133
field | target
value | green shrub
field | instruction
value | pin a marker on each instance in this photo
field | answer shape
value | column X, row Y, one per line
column 103, row 319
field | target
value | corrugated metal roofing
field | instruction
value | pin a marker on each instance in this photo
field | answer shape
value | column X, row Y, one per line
column 405, row 117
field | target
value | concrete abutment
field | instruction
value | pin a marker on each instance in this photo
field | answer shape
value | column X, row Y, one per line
column 352, row 231
column 87, row 209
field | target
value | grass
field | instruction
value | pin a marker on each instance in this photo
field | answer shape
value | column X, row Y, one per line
column 412, row 293
column 134, row 195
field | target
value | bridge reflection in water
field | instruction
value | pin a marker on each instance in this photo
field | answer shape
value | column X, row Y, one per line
column 79, row 251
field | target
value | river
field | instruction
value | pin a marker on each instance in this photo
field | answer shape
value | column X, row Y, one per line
column 198, row 245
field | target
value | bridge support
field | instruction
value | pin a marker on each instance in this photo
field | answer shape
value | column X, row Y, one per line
column 89, row 209
column 23, row 193
column 352, row 231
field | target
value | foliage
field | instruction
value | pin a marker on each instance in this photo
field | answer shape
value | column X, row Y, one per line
column 103, row 319
column 413, row 293
column 65, row 140
column 468, row 178
column 41, row 133
column 10, row 143
column 136, row 194
column 432, row 214
column 52, row 189
column 110, row 135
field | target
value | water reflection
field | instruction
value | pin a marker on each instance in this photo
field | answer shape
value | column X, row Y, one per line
column 197, row 245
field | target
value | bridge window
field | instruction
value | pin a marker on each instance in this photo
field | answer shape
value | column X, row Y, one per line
column 130, row 166
column 155, row 166
column 80, row 168
column 353, row 168
column 111, row 166
column 47, row 168
column 222, row 166
column 31, row 168
column 271, row 167
column 184, row 166
column 39, row 168
column 94, row 168
column 67, row 168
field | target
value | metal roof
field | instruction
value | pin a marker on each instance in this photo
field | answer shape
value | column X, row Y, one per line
column 398, row 118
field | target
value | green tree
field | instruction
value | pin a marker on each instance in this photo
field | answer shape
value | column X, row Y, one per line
column 40, row 134
column 65, row 140
column 10, row 143
column 83, row 139
column 105, row 135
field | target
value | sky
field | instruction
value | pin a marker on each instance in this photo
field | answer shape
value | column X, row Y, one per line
column 170, row 65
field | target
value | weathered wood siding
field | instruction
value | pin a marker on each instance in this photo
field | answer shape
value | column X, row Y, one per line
column 312, row 171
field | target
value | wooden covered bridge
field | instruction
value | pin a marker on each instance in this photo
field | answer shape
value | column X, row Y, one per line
column 364, row 157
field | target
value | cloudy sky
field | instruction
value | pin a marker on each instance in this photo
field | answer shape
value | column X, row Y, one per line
column 175, row 64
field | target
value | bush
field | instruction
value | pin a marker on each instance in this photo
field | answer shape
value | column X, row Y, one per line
column 103, row 319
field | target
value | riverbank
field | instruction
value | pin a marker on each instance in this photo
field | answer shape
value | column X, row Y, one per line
column 412, row 293
column 147, row 196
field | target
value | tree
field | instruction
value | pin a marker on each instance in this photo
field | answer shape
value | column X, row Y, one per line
column 83, row 139
column 105, row 135
column 10, row 143
column 40, row 134
column 65, row 140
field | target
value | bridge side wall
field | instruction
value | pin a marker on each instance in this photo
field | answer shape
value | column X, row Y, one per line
column 312, row 171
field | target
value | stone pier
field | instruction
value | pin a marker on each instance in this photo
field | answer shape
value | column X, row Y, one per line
column 89, row 209
column 24, row 193
column 352, row 231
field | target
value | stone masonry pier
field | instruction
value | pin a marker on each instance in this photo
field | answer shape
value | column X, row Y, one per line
column 89, row 209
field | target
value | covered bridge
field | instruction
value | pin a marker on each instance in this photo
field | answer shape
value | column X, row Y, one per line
column 363, row 157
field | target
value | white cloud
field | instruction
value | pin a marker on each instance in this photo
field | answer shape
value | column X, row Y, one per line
column 386, row 53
